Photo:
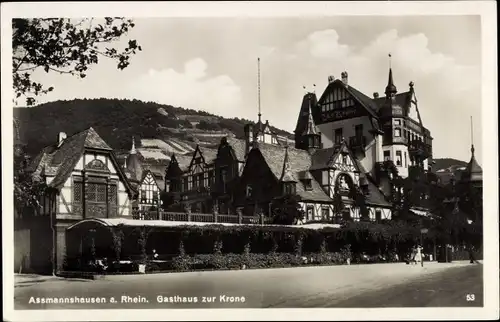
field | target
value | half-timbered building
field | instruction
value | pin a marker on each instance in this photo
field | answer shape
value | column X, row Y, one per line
column 84, row 180
column 145, row 170
column 205, row 180
column 316, row 176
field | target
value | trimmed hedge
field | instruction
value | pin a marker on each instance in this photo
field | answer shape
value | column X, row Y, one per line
column 251, row 261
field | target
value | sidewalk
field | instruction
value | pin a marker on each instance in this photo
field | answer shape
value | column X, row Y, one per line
column 26, row 279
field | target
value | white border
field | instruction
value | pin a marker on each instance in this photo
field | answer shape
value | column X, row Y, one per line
column 487, row 10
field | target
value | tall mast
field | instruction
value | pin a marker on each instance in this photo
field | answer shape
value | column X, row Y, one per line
column 258, row 86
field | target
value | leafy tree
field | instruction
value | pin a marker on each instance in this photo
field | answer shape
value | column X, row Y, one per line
column 286, row 210
column 64, row 46
column 208, row 126
column 27, row 189
column 338, row 205
column 359, row 199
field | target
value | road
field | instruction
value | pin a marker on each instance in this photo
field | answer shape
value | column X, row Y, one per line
column 376, row 285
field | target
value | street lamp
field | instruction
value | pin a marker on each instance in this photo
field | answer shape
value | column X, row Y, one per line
column 422, row 232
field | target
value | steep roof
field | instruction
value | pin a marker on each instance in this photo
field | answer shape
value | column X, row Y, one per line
column 209, row 155
column 473, row 172
column 60, row 160
column 299, row 161
column 402, row 99
column 375, row 196
column 239, row 148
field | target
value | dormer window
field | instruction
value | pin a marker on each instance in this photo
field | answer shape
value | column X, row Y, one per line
column 289, row 188
column 308, row 184
column 249, row 191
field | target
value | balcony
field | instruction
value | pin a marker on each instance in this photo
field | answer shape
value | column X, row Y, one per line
column 357, row 144
column 200, row 217
column 420, row 149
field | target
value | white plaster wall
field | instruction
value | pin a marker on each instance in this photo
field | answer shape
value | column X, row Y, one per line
column 79, row 165
column 348, row 125
column 67, row 194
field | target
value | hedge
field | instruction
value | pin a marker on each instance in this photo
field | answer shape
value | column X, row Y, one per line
column 372, row 238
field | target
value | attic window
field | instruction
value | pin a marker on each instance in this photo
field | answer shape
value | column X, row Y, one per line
column 308, row 184
column 249, row 191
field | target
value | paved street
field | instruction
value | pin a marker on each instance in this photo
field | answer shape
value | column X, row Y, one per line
column 376, row 285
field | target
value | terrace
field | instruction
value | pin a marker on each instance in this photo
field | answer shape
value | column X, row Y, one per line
column 200, row 217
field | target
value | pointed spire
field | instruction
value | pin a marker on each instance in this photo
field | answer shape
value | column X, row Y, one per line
column 391, row 89
column 287, row 173
column 132, row 150
column 311, row 126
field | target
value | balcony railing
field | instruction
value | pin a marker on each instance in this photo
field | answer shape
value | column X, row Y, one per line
column 199, row 217
column 420, row 148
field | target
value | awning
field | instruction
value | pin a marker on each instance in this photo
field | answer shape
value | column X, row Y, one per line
column 114, row 222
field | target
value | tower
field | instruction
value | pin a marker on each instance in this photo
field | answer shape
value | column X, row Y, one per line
column 311, row 135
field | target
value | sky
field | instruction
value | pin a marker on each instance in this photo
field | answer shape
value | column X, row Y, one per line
column 210, row 64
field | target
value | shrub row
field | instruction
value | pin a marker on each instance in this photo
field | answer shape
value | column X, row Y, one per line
column 250, row 261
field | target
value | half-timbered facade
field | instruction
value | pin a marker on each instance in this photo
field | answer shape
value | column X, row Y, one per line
column 376, row 128
column 145, row 169
column 205, row 180
column 189, row 179
column 316, row 176
column 84, row 180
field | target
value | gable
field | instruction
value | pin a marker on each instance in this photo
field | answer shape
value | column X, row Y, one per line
column 344, row 161
column 149, row 180
column 340, row 102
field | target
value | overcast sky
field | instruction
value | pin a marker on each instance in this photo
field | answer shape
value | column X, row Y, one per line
column 211, row 64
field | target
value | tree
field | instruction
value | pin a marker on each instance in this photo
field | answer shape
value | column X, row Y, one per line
column 359, row 199
column 338, row 205
column 64, row 46
column 286, row 210
column 27, row 189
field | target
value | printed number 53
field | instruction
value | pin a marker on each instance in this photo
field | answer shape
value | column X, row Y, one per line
column 470, row 297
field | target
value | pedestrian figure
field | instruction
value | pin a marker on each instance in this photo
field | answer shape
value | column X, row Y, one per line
column 471, row 255
column 418, row 255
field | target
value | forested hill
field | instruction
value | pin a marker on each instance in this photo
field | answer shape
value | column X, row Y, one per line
column 117, row 120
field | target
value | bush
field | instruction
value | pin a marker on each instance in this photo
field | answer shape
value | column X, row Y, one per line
column 181, row 262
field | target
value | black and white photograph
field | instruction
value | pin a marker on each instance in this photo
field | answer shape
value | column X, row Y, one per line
column 269, row 160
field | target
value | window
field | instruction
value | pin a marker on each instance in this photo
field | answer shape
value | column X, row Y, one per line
column 155, row 197
column 308, row 184
column 338, row 136
column 249, row 191
column 325, row 180
column 398, row 159
column 387, row 155
column 397, row 132
column 405, row 134
column 96, row 192
column 325, row 213
column 309, row 213
column 77, row 192
column 193, row 182
column 186, row 185
column 397, row 122
column 288, row 188
column 378, row 215
column 143, row 195
column 210, row 177
column 406, row 161
column 344, row 159
column 358, row 130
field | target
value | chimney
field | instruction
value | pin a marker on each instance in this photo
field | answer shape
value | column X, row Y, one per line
column 62, row 136
column 331, row 79
column 344, row 77
column 375, row 95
